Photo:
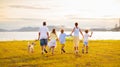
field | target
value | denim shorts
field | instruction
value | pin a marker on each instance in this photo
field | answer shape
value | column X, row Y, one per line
column 85, row 43
column 43, row 42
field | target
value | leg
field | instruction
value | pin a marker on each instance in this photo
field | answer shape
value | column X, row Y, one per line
column 87, row 49
column 42, row 48
column 83, row 48
column 42, row 45
column 53, row 50
column 50, row 49
column 62, row 48
column 32, row 50
column 75, row 49
column 45, row 41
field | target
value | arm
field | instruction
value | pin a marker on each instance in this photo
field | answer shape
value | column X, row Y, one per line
column 48, row 35
column 38, row 35
column 72, row 31
column 91, row 34
column 81, row 33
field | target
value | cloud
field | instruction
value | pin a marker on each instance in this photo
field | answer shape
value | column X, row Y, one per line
column 28, row 7
column 25, row 19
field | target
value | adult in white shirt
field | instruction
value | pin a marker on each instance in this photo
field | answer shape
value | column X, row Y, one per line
column 43, row 37
column 76, row 31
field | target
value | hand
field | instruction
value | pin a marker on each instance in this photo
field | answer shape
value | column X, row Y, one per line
column 91, row 32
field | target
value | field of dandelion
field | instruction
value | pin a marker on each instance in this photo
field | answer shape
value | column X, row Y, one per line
column 102, row 53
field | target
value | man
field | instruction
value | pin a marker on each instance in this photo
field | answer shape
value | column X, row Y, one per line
column 43, row 37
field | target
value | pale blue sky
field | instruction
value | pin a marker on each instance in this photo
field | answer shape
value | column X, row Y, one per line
column 21, row 13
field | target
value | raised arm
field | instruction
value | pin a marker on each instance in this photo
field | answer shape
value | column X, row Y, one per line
column 91, row 34
column 38, row 35
column 81, row 32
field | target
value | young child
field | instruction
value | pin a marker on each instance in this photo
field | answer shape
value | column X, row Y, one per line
column 85, row 41
column 52, row 43
column 62, row 37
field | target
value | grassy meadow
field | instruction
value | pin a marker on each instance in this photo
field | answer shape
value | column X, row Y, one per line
column 102, row 53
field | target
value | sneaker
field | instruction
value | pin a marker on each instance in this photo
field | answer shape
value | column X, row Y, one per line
column 45, row 51
column 86, row 52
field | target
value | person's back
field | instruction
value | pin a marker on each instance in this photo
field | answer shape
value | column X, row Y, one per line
column 43, row 37
column 43, row 32
column 62, row 37
column 76, row 31
column 85, row 41
column 86, row 35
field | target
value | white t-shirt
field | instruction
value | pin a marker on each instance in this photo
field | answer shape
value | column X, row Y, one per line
column 86, row 37
column 76, row 31
column 43, row 32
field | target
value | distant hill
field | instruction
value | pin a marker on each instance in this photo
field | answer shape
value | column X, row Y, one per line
column 24, row 29
column 3, row 30
column 116, row 29
column 36, row 29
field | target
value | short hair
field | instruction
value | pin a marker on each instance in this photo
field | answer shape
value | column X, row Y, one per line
column 62, row 30
column 86, row 31
column 76, row 24
column 44, row 23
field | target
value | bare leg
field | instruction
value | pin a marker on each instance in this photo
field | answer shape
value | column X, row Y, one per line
column 75, row 49
column 45, row 49
column 53, row 50
column 83, row 48
column 62, row 48
column 86, row 49
column 42, row 48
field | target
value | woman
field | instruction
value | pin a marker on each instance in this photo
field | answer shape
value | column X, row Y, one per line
column 76, row 31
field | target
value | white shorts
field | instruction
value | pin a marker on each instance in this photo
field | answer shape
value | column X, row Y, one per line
column 76, row 41
column 52, row 43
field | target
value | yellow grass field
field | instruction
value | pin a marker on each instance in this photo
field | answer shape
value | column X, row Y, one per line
column 102, row 53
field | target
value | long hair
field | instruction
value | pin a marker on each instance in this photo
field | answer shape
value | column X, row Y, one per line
column 53, row 31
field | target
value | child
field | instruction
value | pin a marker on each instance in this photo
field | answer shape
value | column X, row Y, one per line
column 62, row 40
column 85, row 40
column 53, row 38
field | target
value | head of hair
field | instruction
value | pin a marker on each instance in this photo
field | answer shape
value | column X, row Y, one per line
column 62, row 31
column 86, row 31
column 53, row 31
column 44, row 23
column 76, row 24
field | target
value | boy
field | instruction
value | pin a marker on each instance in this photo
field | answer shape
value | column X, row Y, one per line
column 85, row 41
column 62, row 37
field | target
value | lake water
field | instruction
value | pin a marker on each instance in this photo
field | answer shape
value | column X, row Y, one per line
column 9, row 36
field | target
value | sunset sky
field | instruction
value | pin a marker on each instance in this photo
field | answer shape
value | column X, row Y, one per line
column 15, row 14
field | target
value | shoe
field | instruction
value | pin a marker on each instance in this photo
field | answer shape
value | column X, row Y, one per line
column 42, row 53
column 45, row 51
column 63, row 50
column 82, row 51
column 86, row 52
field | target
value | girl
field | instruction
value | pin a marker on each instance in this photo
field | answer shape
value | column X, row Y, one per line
column 53, row 37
